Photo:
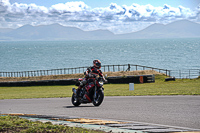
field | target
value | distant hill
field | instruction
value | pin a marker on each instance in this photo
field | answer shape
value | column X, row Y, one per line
column 178, row 29
column 53, row 32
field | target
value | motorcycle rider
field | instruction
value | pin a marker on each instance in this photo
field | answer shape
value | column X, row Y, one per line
column 90, row 74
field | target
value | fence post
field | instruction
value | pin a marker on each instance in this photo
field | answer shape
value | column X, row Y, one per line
column 38, row 73
column 64, row 71
column 189, row 74
column 199, row 73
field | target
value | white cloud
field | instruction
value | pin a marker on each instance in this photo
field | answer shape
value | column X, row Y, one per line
column 70, row 7
column 119, row 19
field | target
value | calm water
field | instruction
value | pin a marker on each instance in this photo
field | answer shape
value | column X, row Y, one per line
column 173, row 54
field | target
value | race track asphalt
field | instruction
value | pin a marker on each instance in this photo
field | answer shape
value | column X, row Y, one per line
column 182, row 111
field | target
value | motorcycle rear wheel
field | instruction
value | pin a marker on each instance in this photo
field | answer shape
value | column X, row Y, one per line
column 99, row 98
column 75, row 100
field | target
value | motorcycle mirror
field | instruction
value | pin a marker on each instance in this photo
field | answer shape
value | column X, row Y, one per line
column 106, row 76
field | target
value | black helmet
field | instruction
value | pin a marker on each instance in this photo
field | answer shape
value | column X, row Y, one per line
column 97, row 63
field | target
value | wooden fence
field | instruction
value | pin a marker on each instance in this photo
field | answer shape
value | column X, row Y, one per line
column 104, row 68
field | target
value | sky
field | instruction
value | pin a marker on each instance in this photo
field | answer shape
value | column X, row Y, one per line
column 105, row 3
column 117, row 16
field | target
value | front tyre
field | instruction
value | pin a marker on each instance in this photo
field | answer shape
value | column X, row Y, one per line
column 99, row 98
column 75, row 100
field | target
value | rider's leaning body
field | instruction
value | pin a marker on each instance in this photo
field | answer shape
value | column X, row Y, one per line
column 91, row 73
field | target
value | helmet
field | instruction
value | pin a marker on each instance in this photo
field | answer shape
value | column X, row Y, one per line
column 97, row 63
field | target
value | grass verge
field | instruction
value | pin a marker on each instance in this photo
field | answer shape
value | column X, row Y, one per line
column 160, row 87
column 11, row 124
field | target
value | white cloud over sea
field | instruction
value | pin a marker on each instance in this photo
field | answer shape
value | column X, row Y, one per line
column 118, row 19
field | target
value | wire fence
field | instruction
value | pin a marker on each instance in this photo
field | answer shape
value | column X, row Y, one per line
column 187, row 73
column 190, row 73
column 104, row 68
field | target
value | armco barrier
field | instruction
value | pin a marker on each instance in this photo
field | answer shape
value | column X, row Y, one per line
column 39, row 83
column 132, row 79
column 111, row 80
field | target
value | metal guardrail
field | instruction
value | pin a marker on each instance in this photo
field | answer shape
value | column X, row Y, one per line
column 104, row 68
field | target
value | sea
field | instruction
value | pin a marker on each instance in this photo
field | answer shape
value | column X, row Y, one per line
column 171, row 54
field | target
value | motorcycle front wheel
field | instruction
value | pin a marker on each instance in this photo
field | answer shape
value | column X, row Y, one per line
column 75, row 100
column 99, row 98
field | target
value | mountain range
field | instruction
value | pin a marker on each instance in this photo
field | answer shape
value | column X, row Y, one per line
column 177, row 29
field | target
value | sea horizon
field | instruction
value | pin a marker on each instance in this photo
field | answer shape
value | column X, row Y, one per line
column 171, row 54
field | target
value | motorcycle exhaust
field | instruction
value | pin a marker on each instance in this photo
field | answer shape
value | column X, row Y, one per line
column 74, row 91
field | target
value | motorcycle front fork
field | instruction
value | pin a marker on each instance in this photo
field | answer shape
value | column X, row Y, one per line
column 74, row 91
column 95, row 94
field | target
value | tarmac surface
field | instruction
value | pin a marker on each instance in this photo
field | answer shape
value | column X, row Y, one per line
column 175, row 111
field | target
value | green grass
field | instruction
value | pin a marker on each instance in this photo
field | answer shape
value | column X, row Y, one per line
column 160, row 87
column 13, row 124
column 35, row 92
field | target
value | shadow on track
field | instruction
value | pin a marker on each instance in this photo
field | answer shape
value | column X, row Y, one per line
column 79, row 106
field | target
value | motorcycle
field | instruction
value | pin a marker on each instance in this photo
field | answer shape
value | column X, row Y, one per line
column 89, row 93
